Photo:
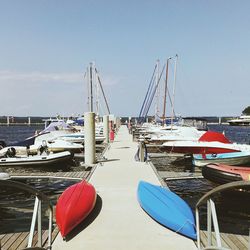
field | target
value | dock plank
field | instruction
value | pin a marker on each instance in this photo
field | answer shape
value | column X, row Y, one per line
column 21, row 240
column 245, row 239
column 11, row 240
column 203, row 237
column 230, row 243
column 6, row 238
column 237, row 242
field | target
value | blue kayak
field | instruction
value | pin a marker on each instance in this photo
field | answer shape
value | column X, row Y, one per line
column 167, row 208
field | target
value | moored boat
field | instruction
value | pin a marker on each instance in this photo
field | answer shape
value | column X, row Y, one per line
column 43, row 160
column 233, row 158
column 220, row 173
column 74, row 205
column 209, row 143
column 167, row 208
column 243, row 120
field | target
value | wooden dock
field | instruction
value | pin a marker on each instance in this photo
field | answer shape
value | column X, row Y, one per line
column 14, row 241
column 19, row 240
column 228, row 241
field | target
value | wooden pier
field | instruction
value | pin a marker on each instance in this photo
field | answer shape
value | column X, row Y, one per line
column 116, row 178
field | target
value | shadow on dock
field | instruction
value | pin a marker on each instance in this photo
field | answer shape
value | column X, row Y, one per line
column 91, row 217
column 108, row 160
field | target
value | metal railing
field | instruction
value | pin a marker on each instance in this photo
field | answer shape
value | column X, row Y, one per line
column 212, row 216
column 37, row 211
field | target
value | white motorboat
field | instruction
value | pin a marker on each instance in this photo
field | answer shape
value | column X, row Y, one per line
column 180, row 133
column 243, row 120
column 209, row 143
column 33, row 146
column 43, row 160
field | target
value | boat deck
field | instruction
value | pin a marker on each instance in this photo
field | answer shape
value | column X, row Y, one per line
column 118, row 222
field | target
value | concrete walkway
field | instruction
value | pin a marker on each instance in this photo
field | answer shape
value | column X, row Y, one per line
column 119, row 221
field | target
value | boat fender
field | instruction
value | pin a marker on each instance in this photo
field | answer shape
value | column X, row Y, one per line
column 4, row 176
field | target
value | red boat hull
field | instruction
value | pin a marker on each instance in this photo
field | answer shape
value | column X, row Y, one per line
column 221, row 173
column 198, row 150
column 74, row 205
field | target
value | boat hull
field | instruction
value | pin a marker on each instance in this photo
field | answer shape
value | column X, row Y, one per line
column 221, row 174
column 74, row 205
column 37, row 160
column 167, row 208
column 234, row 158
column 197, row 150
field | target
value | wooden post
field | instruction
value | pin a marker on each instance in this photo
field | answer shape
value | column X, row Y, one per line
column 219, row 120
column 106, row 128
column 117, row 123
column 142, row 151
column 89, row 138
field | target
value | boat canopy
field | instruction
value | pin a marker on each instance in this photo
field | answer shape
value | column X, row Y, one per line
column 214, row 136
column 53, row 126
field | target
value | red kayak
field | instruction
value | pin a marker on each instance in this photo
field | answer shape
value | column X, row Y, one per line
column 74, row 205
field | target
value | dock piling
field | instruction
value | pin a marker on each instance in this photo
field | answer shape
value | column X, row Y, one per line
column 106, row 128
column 142, row 151
column 89, row 128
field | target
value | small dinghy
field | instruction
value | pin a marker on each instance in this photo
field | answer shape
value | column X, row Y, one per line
column 74, row 205
column 43, row 160
column 167, row 208
column 220, row 173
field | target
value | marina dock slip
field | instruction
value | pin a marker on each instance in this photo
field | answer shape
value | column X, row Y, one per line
column 121, row 223
column 118, row 221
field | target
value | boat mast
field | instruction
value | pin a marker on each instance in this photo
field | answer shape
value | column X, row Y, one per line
column 157, row 90
column 147, row 97
column 104, row 96
column 88, row 87
column 97, row 94
column 91, row 86
column 165, row 94
column 175, row 69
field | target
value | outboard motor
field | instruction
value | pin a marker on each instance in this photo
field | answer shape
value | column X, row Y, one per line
column 11, row 152
column 43, row 148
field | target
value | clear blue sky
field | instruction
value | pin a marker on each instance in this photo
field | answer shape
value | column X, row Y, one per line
column 46, row 46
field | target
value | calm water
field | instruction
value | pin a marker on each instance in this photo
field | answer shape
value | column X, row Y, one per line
column 234, row 208
column 12, row 134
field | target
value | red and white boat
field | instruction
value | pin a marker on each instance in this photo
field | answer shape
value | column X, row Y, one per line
column 209, row 143
column 74, row 205
column 220, row 173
